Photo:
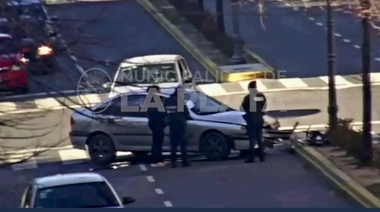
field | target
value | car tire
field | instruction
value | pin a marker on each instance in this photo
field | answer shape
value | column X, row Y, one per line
column 215, row 146
column 101, row 149
column 140, row 153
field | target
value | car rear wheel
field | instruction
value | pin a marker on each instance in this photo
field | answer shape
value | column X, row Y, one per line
column 101, row 149
column 215, row 146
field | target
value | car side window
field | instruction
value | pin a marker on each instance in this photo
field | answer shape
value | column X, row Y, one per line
column 109, row 108
column 130, row 105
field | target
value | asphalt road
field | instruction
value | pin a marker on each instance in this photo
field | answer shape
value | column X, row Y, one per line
column 295, row 40
column 283, row 181
column 101, row 34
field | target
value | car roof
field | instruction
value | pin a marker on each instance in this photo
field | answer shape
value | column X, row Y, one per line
column 67, row 179
column 152, row 59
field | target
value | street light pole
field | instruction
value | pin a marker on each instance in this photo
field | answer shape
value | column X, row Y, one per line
column 332, row 107
column 367, row 101
column 237, row 56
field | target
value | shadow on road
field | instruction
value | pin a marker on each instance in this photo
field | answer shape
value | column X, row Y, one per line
column 292, row 113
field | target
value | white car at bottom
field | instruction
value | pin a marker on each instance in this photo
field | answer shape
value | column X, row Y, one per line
column 75, row 190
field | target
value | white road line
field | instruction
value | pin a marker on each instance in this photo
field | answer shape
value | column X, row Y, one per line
column 337, row 35
column 79, row 68
column 357, row 46
column 143, row 168
column 150, row 179
column 73, row 58
column 339, row 80
column 287, row 4
column 159, row 191
column 295, row 8
column 346, row 41
column 311, row 18
column 377, row 59
column 319, row 24
column 293, row 83
column 168, row 204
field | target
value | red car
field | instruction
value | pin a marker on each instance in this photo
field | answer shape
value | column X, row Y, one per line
column 13, row 72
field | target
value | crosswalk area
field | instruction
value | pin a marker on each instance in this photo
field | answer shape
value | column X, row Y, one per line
column 214, row 89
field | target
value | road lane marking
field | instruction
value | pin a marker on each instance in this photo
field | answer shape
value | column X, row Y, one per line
column 143, row 168
column 339, row 80
column 79, row 68
column 337, row 35
column 73, row 156
column 159, row 191
column 319, row 24
column 150, row 179
column 346, row 41
column 377, row 59
column 311, row 18
column 73, row 58
column 293, row 83
column 168, row 204
column 357, row 46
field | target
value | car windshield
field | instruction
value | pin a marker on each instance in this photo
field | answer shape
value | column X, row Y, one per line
column 148, row 74
column 83, row 195
column 201, row 104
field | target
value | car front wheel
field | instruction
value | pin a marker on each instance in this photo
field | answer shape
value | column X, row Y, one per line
column 101, row 149
column 215, row 146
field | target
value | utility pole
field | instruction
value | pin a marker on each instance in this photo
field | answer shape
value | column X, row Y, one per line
column 237, row 56
column 220, row 15
column 332, row 107
column 367, row 101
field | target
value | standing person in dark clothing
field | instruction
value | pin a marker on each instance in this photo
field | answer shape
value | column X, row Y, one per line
column 156, row 122
column 177, row 116
column 253, row 105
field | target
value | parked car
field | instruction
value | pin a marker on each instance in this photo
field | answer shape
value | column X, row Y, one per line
column 164, row 70
column 214, row 130
column 13, row 72
column 75, row 190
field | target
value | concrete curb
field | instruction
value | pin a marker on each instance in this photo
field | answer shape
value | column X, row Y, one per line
column 339, row 178
column 180, row 37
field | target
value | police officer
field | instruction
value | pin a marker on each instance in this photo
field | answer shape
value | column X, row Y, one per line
column 156, row 122
column 177, row 116
column 253, row 105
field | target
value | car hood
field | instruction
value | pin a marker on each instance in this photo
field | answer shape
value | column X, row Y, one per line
column 232, row 117
column 139, row 87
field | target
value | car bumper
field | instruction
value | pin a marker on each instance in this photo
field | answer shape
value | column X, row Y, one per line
column 13, row 80
column 78, row 140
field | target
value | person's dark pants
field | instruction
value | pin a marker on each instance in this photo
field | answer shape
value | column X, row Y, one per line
column 158, row 140
column 255, row 134
column 178, row 138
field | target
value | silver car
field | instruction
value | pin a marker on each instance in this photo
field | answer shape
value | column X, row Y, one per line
column 214, row 130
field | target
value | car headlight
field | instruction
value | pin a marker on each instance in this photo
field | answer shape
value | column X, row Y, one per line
column 15, row 68
column 44, row 50
column 243, row 129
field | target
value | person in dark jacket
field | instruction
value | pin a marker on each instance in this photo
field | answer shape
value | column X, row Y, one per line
column 253, row 105
column 177, row 116
column 156, row 122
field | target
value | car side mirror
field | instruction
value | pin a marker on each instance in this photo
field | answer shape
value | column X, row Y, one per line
column 188, row 80
column 128, row 200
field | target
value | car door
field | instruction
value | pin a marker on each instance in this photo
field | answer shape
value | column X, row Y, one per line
column 131, row 128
